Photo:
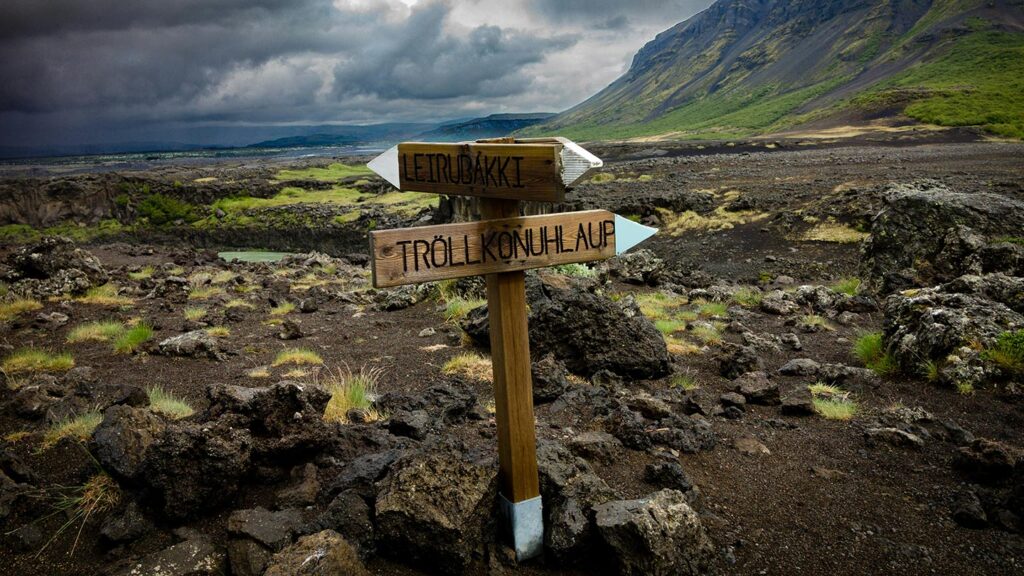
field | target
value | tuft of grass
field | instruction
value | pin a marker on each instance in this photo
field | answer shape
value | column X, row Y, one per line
column 296, row 373
column 99, row 331
column 848, row 286
column 205, row 292
column 457, row 308
column 143, row 273
column 259, row 372
column 351, row 390
column 79, row 427
column 194, row 313
column 816, row 320
column 747, row 297
column 602, row 177
column 31, row 360
column 10, row 310
column 832, row 402
column 684, row 381
column 931, row 370
column 298, row 356
column 282, row 309
column 471, row 365
column 168, row 404
column 133, row 338
column 680, row 347
column 238, row 303
column 78, row 504
column 223, row 276
column 1008, row 352
column 964, row 388
column 219, row 331
column 712, row 309
column 667, row 327
column 870, row 351
column 105, row 295
column 574, row 269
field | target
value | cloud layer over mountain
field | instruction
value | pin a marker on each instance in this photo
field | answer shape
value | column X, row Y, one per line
column 100, row 70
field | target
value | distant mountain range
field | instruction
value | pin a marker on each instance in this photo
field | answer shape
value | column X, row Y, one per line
column 493, row 126
column 746, row 67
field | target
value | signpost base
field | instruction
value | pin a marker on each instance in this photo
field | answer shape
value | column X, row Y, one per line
column 525, row 524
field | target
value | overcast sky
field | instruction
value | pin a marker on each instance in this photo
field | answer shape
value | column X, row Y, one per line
column 111, row 70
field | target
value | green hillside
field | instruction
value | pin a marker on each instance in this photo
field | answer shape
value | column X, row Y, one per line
column 746, row 67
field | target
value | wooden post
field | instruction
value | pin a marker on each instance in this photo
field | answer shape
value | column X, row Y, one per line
column 513, row 399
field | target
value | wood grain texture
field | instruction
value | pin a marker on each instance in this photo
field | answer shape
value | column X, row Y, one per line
column 513, row 388
column 428, row 253
column 527, row 171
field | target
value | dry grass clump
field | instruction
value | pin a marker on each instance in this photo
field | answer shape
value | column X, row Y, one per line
column 168, row 404
column 352, row 390
column 219, row 331
column 282, row 309
column 194, row 313
column 848, row 286
column 716, row 220
column 98, row 494
column 10, row 310
column 684, row 381
column 834, row 232
column 79, row 427
column 99, row 331
column 142, row 273
column 709, row 334
column 814, row 320
column 259, row 372
column 471, row 365
column 747, row 297
column 32, row 360
column 105, row 295
column 238, row 303
column 205, row 293
column 832, row 402
column 298, row 356
column 457, row 308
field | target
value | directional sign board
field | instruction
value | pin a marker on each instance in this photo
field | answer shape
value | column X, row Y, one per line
column 427, row 253
column 532, row 169
column 500, row 247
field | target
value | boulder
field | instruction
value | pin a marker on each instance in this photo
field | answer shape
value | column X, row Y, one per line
column 636, row 267
column 52, row 255
column 659, row 535
column 434, row 509
column 799, row 402
column 587, row 332
column 985, row 460
column 669, row 475
column 194, row 344
column 271, row 529
column 757, row 389
column 800, row 367
column 893, row 437
column 415, row 424
column 596, row 446
column 927, row 233
column 947, row 327
column 629, row 427
column 322, row 554
column 195, row 468
column 549, row 379
column 570, row 491
column 739, row 361
column 123, row 439
column 349, row 515
column 687, row 434
column 194, row 557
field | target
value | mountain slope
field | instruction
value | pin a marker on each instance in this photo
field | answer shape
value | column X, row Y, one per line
column 752, row 66
column 492, row 126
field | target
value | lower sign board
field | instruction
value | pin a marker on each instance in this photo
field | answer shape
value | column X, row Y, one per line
column 428, row 253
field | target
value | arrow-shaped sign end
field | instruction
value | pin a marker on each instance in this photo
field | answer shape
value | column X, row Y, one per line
column 577, row 162
column 386, row 165
column 629, row 234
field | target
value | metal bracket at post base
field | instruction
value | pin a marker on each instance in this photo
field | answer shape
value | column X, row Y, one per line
column 524, row 524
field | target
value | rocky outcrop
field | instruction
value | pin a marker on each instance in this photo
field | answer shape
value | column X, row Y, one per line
column 322, row 554
column 927, row 233
column 659, row 535
column 54, row 266
column 434, row 509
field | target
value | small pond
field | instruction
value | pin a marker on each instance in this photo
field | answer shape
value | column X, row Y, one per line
column 253, row 256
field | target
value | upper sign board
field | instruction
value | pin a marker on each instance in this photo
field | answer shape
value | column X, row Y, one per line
column 428, row 253
column 531, row 169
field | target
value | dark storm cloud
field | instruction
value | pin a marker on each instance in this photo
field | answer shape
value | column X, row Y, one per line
column 420, row 61
column 103, row 63
column 666, row 12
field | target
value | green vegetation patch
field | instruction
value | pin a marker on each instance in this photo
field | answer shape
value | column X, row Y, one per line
column 80, row 428
column 352, row 390
column 1008, row 352
column 168, row 404
column 331, row 173
column 159, row 209
column 10, row 310
column 31, row 360
column 133, row 338
column 870, row 350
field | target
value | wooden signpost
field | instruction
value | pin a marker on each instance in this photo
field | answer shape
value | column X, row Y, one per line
column 500, row 246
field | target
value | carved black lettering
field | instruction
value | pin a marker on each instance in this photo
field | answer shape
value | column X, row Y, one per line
column 485, row 246
column 465, row 244
column 416, row 167
column 465, row 169
column 581, row 237
column 520, row 242
column 479, row 177
column 405, row 262
column 519, row 178
column 502, row 177
column 426, row 252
